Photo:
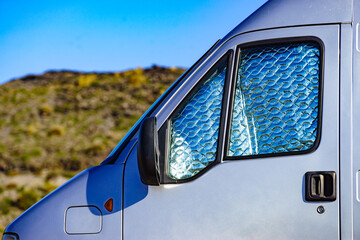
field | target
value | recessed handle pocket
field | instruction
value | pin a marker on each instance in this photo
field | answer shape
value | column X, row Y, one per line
column 320, row 186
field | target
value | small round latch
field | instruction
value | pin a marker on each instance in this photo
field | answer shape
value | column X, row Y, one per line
column 320, row 209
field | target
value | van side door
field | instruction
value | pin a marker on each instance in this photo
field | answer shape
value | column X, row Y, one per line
column 250, row 144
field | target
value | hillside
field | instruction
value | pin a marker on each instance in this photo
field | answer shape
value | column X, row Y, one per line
column 55, row 124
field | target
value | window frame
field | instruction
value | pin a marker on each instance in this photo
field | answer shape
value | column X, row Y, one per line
column 115, row 153
column 164, row 131
column 263, row 43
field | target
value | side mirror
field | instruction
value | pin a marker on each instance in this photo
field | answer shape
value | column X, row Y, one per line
column 148, row 152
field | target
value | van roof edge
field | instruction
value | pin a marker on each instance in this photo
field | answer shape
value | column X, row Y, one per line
column 290, row 13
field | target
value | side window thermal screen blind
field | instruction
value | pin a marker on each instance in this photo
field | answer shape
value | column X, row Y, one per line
column 194, row 129
column 276, row 103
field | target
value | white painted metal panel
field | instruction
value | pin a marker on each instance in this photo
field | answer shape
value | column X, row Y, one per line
column 261, row 198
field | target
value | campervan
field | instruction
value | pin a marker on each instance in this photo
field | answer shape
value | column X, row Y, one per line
column 259, row 139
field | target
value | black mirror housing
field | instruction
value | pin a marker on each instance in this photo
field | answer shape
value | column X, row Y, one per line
column 148, row 152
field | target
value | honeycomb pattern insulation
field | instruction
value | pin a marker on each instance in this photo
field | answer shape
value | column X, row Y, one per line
column 195, row 128
column 276, row 100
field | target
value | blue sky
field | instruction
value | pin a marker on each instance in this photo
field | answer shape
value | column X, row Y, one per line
column 87, row 35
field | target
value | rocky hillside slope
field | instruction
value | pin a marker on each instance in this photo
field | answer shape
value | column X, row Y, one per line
column 55, row 124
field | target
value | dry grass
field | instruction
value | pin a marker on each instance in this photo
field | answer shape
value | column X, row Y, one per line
column 56, row 124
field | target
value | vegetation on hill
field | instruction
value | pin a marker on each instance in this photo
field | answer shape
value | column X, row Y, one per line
column 55, row 124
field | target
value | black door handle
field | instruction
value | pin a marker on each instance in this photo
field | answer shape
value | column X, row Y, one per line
column 320, row 186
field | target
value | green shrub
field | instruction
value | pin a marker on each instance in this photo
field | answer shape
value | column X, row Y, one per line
column 26, row 199
column 51, row 175
column 68, row 174
column 39, row 91
column 32, row 153
column 95, row 149
column 11, row 186
column 86, row 80
column 11, row 173
column 56, row 130
column 20, row 189
column 36, row 152
column 47, row 188
column 46, row 109
column 5, row 205
column 71, row 164
column 117, row 75
column 136, row 77
column 31, row 129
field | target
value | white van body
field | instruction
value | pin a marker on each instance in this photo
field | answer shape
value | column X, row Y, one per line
column 282, row 160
